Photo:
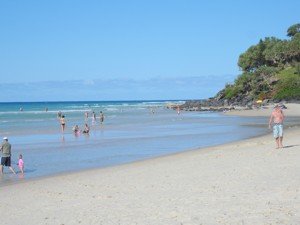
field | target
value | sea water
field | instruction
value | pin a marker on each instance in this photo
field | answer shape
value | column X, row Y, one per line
column 132, row 130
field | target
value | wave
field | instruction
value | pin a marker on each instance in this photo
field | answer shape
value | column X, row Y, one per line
column 112, row 109
column 36, row 120
column 41, row 112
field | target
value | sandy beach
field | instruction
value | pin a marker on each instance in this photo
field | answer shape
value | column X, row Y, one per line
column 293, row 109
column 245, row 182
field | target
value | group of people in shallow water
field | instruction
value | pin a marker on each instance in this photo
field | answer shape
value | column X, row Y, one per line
column 275, row 123
column 5, row 147
column 76, row 130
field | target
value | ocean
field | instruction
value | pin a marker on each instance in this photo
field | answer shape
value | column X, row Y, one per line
column 131, row 131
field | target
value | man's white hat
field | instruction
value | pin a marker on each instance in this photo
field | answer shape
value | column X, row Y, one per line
column 5, row 138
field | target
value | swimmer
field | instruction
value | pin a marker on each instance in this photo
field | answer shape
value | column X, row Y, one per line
column 86, row 129
column 94, row 117
column 59, row 114
column 178, row 110
column 62, row 123
column 76, row 130
column 101, row 117
column 86, row 116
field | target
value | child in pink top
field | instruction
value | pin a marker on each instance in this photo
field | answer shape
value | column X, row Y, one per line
column 21, row 163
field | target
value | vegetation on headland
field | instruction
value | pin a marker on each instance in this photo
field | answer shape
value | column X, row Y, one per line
column 270, row 70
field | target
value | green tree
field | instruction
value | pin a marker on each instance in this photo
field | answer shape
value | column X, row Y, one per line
column 275, row 51
column 252, row 58
column 293, row 30
column 298, row 68
column 293, row 49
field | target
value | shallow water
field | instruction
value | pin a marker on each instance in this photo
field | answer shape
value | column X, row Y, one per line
column 130, row 132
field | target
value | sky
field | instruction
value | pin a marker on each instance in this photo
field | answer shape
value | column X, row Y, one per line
column 68, row 50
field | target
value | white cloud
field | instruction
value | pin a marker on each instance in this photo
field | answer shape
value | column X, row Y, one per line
column 89, row 82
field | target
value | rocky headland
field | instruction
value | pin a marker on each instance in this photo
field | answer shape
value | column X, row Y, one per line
column 270, row 74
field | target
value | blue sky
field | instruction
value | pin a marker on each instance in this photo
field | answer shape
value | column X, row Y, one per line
column 130, row 50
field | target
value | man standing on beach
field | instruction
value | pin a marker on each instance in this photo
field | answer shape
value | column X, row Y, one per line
column 6, row 155
column 276, row 119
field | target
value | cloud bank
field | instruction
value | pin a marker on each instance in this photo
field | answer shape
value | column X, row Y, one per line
column 158, row 88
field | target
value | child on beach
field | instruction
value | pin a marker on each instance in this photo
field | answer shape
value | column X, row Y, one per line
column 21, row 163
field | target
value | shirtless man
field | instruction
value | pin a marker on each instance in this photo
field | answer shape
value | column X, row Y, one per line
column 276, row 119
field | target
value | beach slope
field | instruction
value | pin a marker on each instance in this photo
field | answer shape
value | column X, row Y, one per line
column 246, row 182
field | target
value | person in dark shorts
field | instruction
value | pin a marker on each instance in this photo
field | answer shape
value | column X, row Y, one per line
column 86, row 129
column 101, row 117
column 6, row 155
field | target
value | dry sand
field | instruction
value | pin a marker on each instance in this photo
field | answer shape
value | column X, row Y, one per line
column 245, row 183
column 293, row 109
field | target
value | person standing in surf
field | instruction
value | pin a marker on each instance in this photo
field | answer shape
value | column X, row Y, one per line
column 101, row 117
column 6, row 155
column 62, row 123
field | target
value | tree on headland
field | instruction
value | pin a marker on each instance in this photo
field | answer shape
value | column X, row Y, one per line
column 293, row 30
column 252, row 58
column 293, row 48
column 268, row 52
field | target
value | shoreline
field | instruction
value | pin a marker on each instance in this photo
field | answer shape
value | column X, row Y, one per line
column 66, row 173
column 140, row 161
column 164, row 133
